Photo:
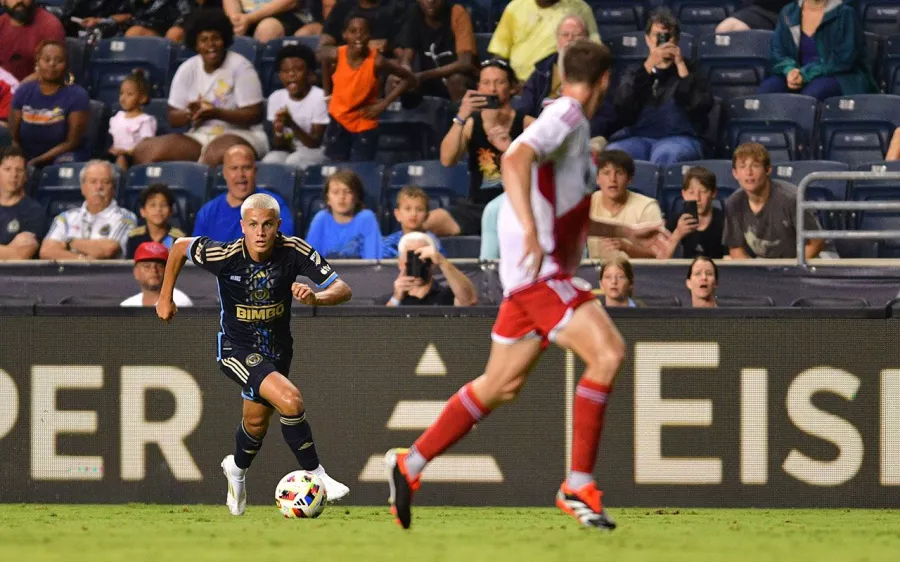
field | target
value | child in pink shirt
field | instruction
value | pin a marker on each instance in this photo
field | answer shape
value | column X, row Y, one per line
column 131, row 125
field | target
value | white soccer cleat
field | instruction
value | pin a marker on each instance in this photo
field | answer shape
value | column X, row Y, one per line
column 334, row 490
column 237, row 486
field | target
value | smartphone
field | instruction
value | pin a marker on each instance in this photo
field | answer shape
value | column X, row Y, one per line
column 491, row 102
column 417, row 267
column 690, row 208
column 663, row 38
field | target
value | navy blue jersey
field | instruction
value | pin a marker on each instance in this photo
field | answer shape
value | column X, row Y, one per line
column 256, row 297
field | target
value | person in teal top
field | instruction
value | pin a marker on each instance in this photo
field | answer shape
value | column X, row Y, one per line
column 490, row 242
column 344, row 230
column 819, row 50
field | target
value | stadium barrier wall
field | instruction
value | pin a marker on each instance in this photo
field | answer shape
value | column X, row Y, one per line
column 762, row 408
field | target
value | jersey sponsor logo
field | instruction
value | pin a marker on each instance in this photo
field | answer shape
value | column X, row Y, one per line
column 236, row 278
column 325, row 269
column 255, row 313
column 254, row 359
column 13, row 226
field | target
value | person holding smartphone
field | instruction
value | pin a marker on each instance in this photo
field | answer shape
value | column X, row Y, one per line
column 698, row 229
column 484, row 128
column 417, row 257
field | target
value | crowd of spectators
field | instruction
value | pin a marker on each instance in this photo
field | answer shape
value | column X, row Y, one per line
column 373, row 54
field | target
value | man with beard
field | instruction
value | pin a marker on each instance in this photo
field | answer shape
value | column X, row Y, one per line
column 149, row 269
column 22, row 27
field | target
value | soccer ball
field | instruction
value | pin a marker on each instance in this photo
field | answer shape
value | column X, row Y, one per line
column 301, row 495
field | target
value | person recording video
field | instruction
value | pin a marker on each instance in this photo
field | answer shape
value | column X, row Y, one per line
column 417, row 258
column 697, row 229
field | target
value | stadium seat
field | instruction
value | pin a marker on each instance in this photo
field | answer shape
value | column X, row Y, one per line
column 189, row 181
column 248, row 47
column 482, row 40
column 59, row 187
column 461, row 246
column 882, row 221
column 890, row 65
column 77, row 52
column 308, row 198
column 630, row 50
column 873, row 52
column 615, row 17
column 412, row 134
column 658, row 301
column 827, row 190
column 701, row 16
column 783, row 123
column 734, row 63
column 744, row 301
column 268, row 74
column 279, row 178
column 97, row 129
column 114, row 59
column 879, row 16
column 670, row 197
column 830, row 302
column 646, row 178
column 857, row 129
column 877, row 191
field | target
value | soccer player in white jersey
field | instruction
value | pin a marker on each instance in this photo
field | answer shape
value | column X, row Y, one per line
column 548, row 176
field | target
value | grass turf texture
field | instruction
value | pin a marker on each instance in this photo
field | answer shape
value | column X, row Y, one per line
column 199, row 533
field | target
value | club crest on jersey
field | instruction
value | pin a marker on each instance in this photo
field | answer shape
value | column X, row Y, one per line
column 104, row 230
column 254, row 359
column 260, row 295
column 13, row 226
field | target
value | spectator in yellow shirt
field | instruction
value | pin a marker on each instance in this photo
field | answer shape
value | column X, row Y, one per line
column 527, row 31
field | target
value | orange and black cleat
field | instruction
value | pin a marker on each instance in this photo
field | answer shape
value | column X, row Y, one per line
column 586, row 505
column 402, row 487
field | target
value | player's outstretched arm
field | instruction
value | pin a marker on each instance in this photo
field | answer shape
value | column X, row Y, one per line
column 516, row 173
column 165, row 307
column 336, row 293
column 652, row 237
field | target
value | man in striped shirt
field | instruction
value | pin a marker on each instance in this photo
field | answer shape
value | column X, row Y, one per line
column 98, row 230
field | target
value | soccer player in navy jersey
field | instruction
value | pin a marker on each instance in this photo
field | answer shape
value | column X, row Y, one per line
column 256, row 278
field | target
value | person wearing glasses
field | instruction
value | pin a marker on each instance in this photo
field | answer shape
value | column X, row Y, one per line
column 483, row 129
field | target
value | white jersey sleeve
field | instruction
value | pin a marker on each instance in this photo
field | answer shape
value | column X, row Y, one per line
column 551, row 129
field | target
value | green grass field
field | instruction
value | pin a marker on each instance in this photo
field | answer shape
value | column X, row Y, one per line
column 360, row 534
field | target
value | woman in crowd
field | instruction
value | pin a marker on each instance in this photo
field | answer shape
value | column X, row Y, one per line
column 617, row 283
column 217, row 92
column 50, row 114
column 818, row 50
column 484, row 128
column 702, row 282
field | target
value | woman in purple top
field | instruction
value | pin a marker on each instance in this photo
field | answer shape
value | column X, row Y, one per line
column 49, row 116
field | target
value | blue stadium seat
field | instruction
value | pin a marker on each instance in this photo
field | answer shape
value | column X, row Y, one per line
column 701, row 16
column 59, row 187
column 874, row 190
column 890, row 65
column 77, row 53
column 615, row 17
column 879, row 16
column 857, row 129
column 827, row 190
column 97, row 129
column 670, row 196
column 189, row 181
column 734, row 63
column 873, row 52
column 482, row 40
column 268, row 74
column 308, row 198
column 246, row 46
column 783, row 123
column 455, row 247
column 630, row 50
column 412, row 134
column 278, row 178
column 882, row 221
column 114, row 59
column 646, row 178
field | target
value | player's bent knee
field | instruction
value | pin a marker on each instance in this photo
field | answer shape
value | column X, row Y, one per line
column 291, row 403
column 256, row 427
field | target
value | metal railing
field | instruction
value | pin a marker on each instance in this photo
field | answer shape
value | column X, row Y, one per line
column 803, row 205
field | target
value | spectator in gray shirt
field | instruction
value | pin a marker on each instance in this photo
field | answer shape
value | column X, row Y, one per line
column 760, row 218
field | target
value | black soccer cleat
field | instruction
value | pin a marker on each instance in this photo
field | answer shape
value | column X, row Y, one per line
column 402, row 487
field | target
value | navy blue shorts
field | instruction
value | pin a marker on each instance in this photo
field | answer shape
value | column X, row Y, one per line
column 249, row 368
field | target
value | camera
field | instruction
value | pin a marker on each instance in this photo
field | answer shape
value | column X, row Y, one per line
column 491, row 102
column 417, row 267
column 663, row 38
column 690, row 208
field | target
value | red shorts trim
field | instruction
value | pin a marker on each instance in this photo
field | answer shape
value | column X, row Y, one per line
column 540, row 310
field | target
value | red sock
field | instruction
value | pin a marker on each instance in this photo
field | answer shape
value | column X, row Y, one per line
column 457, row 418
column 587, row 424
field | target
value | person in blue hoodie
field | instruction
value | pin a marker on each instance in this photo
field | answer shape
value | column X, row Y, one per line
column 663, row 104
column 818, row 50
column 344, row 229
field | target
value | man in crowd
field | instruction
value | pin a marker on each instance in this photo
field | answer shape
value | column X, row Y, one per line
column 22, row 221
column 760, row 218
column 149, row 269
column 220, row 218
column 416, row 285
column 22, row 27
column 525, row 33
column 663, row 103
column 96, row 230
column 613, row 201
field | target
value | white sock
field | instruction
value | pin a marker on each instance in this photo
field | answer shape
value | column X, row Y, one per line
column 415, row 462
column 235, row 471
column 319, row 471
column 578, row 479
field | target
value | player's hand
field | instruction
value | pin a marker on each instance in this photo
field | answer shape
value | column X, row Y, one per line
column 471, row 102
column 650, row 236
column 686, row 224
column 166, row 310
column 304, row 294
column 532, row 255
column 430, row 253
column 402, row 285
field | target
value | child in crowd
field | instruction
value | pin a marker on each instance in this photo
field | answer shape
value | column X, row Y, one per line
column 131, row 125
column 157, row 203
column 298, row 112
column 698, row 229
column 350, row 74
column 617, row 283
column 411, row 212
column 344, row 229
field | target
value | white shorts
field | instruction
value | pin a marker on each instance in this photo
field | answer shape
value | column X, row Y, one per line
column 255, row 138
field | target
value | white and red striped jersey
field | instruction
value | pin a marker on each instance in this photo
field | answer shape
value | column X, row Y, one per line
column 562, row 181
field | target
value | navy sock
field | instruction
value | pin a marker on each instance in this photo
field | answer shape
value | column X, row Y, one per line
column 246, row 447
column 298, row 436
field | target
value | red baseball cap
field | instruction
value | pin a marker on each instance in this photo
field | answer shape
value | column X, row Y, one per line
column 151, row 251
